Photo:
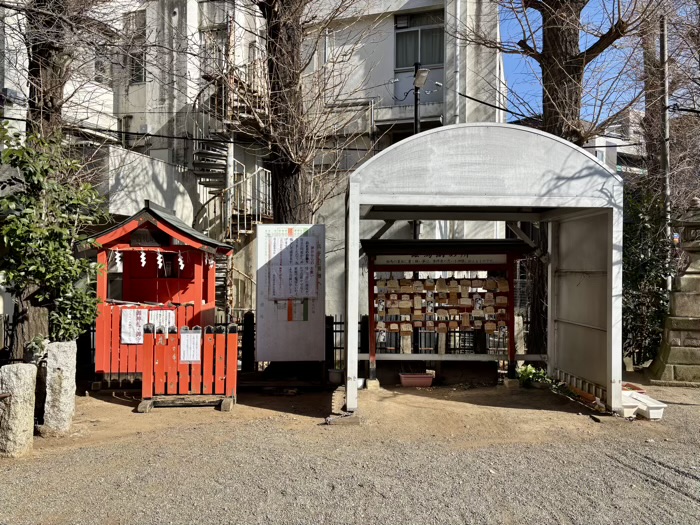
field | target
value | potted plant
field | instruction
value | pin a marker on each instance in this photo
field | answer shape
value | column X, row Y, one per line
column 531, row 377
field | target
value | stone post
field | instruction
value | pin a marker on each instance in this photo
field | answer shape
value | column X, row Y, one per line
column 17, row 411
column 60, row 387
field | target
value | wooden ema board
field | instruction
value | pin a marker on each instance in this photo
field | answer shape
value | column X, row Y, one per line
column 165, row 374
column 118, row 361
column 433, row 306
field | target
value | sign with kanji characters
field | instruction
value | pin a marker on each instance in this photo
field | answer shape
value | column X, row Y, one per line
column 426, row 260
column 293, row 267
column 290, row 299
column 132, row 322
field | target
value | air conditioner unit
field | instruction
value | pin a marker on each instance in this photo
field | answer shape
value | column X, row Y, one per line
column 402, row 21
column 144, row 128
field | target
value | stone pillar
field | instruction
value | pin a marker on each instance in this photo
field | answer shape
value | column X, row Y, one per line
column 17, row 411
column 60, row 387
column 678, row 360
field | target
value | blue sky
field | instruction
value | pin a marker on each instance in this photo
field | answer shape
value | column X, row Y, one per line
column 609, row 83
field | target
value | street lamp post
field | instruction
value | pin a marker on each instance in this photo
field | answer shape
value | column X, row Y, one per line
column 420, row 76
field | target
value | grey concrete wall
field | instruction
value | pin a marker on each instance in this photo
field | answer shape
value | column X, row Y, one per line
column 581, row 314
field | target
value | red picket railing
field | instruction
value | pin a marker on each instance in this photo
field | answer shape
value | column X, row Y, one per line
column 166, row 371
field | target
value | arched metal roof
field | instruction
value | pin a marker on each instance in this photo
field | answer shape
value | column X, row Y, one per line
column 484, row 166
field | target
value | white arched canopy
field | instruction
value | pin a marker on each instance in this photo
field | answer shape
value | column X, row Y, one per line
column 504, row 172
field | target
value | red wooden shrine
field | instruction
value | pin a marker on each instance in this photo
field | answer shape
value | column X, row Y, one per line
column 165, row 271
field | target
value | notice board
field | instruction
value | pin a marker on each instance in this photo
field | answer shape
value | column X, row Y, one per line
column 290, row 299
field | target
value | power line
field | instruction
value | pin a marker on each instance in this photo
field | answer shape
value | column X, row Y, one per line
column 494, row 106
column 676, row 107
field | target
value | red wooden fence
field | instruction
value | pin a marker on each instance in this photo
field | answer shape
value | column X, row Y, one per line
column 165, row 372
column 119, row 361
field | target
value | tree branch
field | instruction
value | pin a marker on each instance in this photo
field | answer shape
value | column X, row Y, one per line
column 528, row 51
column 537, row 5
column 616, row 31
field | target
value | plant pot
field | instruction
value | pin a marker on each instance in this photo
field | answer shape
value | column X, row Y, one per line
column 416, row 380
column 335, row 377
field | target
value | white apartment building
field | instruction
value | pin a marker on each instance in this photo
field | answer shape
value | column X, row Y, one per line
column 162, row 105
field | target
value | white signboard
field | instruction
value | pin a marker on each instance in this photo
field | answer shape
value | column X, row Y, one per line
column 426, row 260
column 290, row 292
column 191, row 346
column 132, row 323
column 164, row 318
column 293, row 267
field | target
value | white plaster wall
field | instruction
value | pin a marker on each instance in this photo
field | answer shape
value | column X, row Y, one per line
column 90, row 105
column 134, row 177
column 369, row 71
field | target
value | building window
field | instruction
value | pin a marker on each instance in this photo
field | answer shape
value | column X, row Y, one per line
column 420, row 38
column 213, row 52
column 136, row 58
column 137, row 67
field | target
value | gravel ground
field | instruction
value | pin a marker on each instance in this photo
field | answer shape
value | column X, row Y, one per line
column 269, row 466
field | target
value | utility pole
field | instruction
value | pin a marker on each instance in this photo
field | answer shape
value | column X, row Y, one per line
column 666, row 148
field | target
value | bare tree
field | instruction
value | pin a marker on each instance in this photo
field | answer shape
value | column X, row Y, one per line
column 303, row 108
column 579, row 53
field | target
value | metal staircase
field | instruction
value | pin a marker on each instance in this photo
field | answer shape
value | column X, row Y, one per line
column 235, row 198
column 244, row 198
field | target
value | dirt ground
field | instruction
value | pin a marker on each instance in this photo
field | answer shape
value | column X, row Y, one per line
column 469, row 417
column 439, row 455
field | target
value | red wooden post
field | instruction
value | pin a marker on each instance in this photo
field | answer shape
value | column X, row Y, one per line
column 197, row 256
column 183, row 368
column 147, row 370
column 101, row 331
column 113, row 367
column 231, row 361
column 159, row 365
column 196, row 372
column 102, row 324
column 220, row 362
column 208, row 361
column 171, row 366
column 124, row 356
column 211, row 285
column 183, row 371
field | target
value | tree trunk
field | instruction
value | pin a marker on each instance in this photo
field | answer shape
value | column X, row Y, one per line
column 562, row 70
column 288, row 193
column 290, row 179
column 48, row 65
column 29, row 321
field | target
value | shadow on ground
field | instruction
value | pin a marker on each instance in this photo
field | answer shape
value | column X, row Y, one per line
column 308, row 403
column 499, row 397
